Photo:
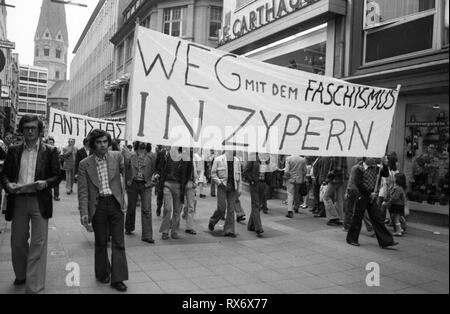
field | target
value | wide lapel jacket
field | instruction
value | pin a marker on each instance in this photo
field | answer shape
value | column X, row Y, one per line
column 92, row 171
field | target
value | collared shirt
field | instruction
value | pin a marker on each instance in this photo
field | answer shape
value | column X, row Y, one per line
column 140, row 167
column 102, row 169
column 262, row 171
column 28, row 161
column 370, row 178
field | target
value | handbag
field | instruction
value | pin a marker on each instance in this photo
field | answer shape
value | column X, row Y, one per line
column 303, row 189
column 323, row 191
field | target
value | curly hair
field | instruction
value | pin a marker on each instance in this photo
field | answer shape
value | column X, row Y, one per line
column 95, row 135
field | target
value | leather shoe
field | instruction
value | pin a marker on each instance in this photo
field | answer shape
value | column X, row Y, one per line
column 119, row 286
column 128, row 232
column 193, row 232
column 19, row 282
column 334, row 223
column 353, row 243
column 230, row 234
column 259, row 234
column 175, row 236
column 239, row 219
column 211, row 227
column 57, row 199
column 319, row 215
column 165, row 236
column 150, row 241
column 389, row 245
column 104, row 280
column 290, row 215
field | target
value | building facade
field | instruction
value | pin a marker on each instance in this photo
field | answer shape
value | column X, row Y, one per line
column 8, row 77
column 51, row 41
column 380, row 43
column 406, row 43
column 194, row 20
column 93, row 63
column 12, row 90
column 33, row 82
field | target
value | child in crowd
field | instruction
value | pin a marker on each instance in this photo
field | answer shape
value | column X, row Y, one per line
column 396, row 202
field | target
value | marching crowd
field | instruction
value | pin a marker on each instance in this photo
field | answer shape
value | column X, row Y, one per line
column 112, row 180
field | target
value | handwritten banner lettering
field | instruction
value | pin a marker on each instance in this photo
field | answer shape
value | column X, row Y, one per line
column 189, row 95
column 65, row 125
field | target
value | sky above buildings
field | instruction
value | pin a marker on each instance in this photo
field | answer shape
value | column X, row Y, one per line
column 23, row 19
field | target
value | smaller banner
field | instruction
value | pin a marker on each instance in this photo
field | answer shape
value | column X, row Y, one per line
column 65, row 125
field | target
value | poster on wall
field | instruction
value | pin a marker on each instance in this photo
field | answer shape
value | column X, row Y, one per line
column 189, row 95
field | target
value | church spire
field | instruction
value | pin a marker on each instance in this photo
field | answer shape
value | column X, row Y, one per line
column 51, row 41
column 52, row 19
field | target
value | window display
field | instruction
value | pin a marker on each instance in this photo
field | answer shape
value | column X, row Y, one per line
column 427, row 153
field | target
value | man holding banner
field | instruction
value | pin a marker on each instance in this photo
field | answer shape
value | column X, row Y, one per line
column 226, row 173
column 212, row 99
column 69, row 155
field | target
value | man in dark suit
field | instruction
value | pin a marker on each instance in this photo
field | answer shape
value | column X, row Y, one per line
column 101, row 203
column 366, row 178
column 82, row 154
column 31, row 171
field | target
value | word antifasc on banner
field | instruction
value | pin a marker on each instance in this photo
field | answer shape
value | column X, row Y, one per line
column 65, row 125
column 189, row 95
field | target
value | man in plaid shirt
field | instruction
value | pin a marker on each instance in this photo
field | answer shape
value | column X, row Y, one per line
column 101, row 203
column 366, row 178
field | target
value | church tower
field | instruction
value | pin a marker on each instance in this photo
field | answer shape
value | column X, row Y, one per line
column 51, row 41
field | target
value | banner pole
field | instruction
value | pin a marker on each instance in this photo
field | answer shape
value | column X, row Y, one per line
column 129, row 117
column 399, row 86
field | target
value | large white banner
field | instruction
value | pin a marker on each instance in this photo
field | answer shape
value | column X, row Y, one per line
column 189, row 95
column 65, row 125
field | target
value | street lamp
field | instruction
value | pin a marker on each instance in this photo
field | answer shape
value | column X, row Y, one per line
column 7, row 5
column 70, row 2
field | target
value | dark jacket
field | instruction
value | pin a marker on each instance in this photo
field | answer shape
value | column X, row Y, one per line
column 81, row 154
column 251, row 173
column 131, row 168
column 162, row 161
column 358, row 179
column 47, row 169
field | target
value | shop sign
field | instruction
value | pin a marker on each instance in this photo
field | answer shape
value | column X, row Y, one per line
column 5, row 92
column 7, row 44
column 238, row 21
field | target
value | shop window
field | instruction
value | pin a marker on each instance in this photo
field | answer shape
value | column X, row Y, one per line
column 215, row 21
column 175, row 21
column 390, row 25
column 427, row 153
column 311, row 59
